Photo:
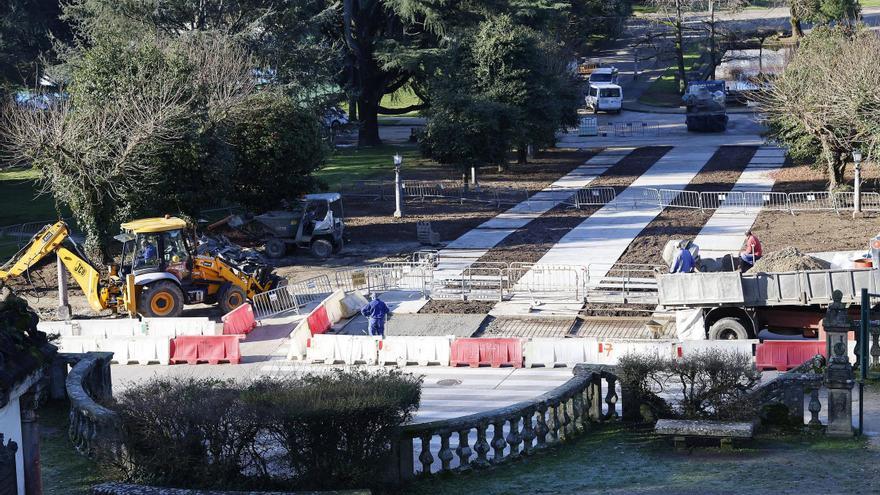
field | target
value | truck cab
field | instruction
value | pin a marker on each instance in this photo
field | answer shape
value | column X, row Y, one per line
column 606, row 97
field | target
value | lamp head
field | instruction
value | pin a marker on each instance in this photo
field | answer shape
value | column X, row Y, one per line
column 398, row 160
column 857, row 156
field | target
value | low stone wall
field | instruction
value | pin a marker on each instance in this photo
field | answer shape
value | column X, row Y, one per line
column 91, row 424
column 128, row 489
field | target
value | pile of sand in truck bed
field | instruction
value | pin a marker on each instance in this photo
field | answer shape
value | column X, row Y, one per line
column 788, row 260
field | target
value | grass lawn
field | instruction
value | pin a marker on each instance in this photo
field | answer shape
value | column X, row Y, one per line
column 353, row 164
column 401, row 98
column 19, row 202
column 663, row 92
column 611, row 459
column 64, row 471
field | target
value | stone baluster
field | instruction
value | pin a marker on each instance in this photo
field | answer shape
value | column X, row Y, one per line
column 445, row 453
column 514, row 438
column 875, row 345
column 463, row 450
column 566, row 417
column 554, row 421
column 482, row 446
column 578, row 411
column 595, row 394
column 498, row 442
column 611, row 397
column 815, row 406
column 425, row 456
column 528, row 433
column 541, row 429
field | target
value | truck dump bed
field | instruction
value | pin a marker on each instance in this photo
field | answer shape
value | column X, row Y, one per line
column 765, row 289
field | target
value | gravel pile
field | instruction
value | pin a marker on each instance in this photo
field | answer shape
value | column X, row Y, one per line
column 788, row 260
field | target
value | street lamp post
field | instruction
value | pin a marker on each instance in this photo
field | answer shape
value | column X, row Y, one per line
column 857, row 187
column 398, row 161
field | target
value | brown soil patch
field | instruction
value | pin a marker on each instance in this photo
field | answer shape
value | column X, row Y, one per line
column 815, row 232
column 530, row 243
column 719, row 174
column 787, row 260
column 799, row 178
column 440, row 306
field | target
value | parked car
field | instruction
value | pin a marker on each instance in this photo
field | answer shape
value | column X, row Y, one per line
column 606, row 97
column 603, row 75
column 335, row 118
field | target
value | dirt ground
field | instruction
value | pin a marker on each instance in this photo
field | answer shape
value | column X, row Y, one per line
column 719, row 174
column 439, row 306
column 815, row 232
column 799, row 178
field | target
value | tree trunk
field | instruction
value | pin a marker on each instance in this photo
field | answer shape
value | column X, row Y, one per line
column 679, row 56
column 836, row 164
column 796, row 30
column 522, row 153
column 368, row 132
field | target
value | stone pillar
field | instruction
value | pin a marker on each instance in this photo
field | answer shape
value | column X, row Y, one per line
column 839, row 376
column 64, row 312
column 30, row 448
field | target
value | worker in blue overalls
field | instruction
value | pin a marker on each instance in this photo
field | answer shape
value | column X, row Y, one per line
column 375, row 311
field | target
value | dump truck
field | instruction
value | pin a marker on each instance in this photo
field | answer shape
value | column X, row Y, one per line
column 315, row 223
column 706, row 106
column 159, row 273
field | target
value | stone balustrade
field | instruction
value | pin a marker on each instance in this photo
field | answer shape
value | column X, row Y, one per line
column 794, row 389
column 93, row 427
column 496, row 436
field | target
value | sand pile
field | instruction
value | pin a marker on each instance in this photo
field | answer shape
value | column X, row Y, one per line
column 788, row 260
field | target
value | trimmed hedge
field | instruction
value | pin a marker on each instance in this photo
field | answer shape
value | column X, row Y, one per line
column 325, row 431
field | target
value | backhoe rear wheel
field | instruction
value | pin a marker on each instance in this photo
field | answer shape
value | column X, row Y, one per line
column 231, row 297
column 275, row 248
column 161, row 299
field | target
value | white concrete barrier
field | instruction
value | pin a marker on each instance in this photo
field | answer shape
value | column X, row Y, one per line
column 141, row 349
column 608, row 351
column 299, row 339
column 549, row 352
column 333, row 305
column 174, row 327
column 117, row 327
column 686, row 347
column 77, row 344
column 348, row 349
column 415, row 350
column 56, row 327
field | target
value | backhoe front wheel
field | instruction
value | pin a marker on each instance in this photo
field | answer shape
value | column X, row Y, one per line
column 230, row 298
column 160, row 300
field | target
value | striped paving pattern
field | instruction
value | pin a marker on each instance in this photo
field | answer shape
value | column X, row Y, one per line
column 529, row 327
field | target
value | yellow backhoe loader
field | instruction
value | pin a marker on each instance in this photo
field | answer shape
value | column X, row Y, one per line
column 160, row 271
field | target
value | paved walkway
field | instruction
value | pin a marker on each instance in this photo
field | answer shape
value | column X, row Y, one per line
column 601, row 239
column 725, row 231
column 464, row 251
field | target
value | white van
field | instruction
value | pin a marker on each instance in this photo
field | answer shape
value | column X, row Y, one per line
column 604, row 96
column 604, row 75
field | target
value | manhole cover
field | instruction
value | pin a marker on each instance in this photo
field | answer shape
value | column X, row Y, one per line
column 449, row 382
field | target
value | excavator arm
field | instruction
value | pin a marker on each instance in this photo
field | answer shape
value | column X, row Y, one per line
column 51, row 239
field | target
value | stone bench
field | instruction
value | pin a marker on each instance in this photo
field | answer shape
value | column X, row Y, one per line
column 725, row 431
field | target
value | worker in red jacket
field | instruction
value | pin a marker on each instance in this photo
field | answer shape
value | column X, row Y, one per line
column 751, row 251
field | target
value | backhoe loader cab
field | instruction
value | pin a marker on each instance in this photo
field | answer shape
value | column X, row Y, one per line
column 168, row 273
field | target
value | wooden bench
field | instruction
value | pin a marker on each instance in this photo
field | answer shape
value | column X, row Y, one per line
column 726, row 431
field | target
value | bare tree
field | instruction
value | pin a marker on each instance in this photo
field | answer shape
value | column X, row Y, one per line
column 825, row 103
column 92, row 156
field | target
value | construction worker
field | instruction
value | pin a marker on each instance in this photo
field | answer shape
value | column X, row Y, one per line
column 751, row 251
column 375, row 311
column 684, row 260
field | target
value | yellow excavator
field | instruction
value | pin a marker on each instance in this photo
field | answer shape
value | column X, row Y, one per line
column 160, row 271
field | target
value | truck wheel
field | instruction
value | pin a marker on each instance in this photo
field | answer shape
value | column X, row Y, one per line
column 338, row 246
column 322, row 248
column 230, row 298
column 728, row 329
column 161, row 299
column 275, row 248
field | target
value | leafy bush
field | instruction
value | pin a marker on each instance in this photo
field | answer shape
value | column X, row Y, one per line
column 313, row 431
column 712, row 384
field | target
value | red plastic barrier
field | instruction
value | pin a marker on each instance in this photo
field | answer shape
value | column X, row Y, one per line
column 239, row 321
column 193, row 349
column 783, row 355
column 492, row 352
column 318, row 320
